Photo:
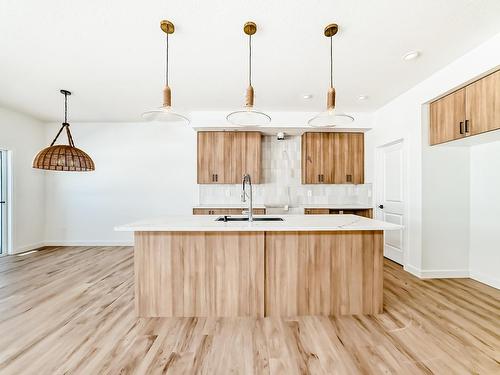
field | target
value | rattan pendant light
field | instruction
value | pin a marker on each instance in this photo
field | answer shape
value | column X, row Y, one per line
column 331, row 117
column 249, row 116
column 166, row 113
column 63, row 157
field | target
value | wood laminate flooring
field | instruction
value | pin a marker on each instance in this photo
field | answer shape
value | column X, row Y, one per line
column 70, row 311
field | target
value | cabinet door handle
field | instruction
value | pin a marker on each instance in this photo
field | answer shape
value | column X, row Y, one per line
column 466, row 126
column 319, row 178
column 461, row 127
column 217, row 178
column 348, row 177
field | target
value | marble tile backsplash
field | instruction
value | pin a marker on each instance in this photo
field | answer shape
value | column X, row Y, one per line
column 281, row 163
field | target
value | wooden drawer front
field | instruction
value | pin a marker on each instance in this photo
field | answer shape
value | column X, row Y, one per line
column 226, row 211
column 316, row 211
column 330, row 211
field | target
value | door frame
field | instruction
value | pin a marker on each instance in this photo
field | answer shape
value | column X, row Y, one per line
column 9, row 184
column 377, row 190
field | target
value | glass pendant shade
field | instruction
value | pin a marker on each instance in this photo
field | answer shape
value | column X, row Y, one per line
column 249, row 116
column 66, row 158
column 330, row 118
column 166, row 113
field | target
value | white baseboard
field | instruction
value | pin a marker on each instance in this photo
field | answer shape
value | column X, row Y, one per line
column 413, row 270
column 89, row 243
column 23, row 249
column 444, row 274
column 436, row 274
column 485, row 279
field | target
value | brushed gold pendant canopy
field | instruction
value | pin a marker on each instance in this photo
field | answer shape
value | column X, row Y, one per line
column 331, row 30
column 250, row 28
column 167, row 27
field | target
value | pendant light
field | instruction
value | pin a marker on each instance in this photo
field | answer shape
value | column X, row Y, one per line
column 249, row 116
column 166, row 113
column 331, row 117
column 63, row 157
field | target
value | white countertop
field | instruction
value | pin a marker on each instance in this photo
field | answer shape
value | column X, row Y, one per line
column 207, row 223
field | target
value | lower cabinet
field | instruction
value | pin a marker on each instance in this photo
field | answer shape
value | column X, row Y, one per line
column 226, row 211
column 368, row 212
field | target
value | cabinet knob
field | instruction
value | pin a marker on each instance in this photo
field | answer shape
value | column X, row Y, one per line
column 381, row 206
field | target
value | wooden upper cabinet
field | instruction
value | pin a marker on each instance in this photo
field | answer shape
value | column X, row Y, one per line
column 332, row 158
column 224, row 157
column 483, row 104
column 471, row 110
column 447, row 118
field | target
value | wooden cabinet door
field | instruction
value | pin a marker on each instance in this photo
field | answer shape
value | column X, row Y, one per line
column 348, row 157
column 205, row 158
column 245, row 156
column 447, row 118
column 312, row 158
column 213, row 151
column 253, row 152
column 483, row 104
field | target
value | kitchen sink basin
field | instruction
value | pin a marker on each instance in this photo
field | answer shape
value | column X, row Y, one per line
column 227, row 219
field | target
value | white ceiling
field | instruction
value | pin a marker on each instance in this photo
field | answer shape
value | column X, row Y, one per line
column 111, row 53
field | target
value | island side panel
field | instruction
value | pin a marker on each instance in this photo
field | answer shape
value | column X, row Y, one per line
column 324, row 273
column 199, row 274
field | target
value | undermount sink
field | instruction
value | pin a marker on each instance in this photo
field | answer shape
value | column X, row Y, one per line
column 230, row 218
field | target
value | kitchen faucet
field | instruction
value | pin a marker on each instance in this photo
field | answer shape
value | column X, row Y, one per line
column 245, row 195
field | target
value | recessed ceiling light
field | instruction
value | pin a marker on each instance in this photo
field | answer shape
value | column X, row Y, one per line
column 307, row 96
column 411, row 55
column 363, row 97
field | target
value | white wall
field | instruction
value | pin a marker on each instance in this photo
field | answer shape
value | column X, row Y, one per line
column 24, row 136
column 484, row 213
column 142, row 170
column 438, row 248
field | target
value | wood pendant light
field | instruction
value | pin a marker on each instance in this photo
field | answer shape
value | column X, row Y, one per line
column 248, row 116
column 66, row 158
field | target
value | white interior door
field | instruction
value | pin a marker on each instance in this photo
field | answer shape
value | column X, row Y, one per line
column 391, row 196
column 3, row 202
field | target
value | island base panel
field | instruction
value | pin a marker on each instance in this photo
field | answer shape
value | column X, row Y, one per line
column 199, row 274
column 324, row 273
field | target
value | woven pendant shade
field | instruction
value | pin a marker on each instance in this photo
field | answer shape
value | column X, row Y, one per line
column 63, row 158
column 66, row 158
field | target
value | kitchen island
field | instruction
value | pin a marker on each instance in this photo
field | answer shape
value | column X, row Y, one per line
column 195, row 266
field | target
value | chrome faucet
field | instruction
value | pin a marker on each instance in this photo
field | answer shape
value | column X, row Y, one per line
column 245, row 195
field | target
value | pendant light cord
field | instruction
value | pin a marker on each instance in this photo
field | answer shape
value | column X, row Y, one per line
column 331, row 61
column 250, row 60
column 166, row 63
